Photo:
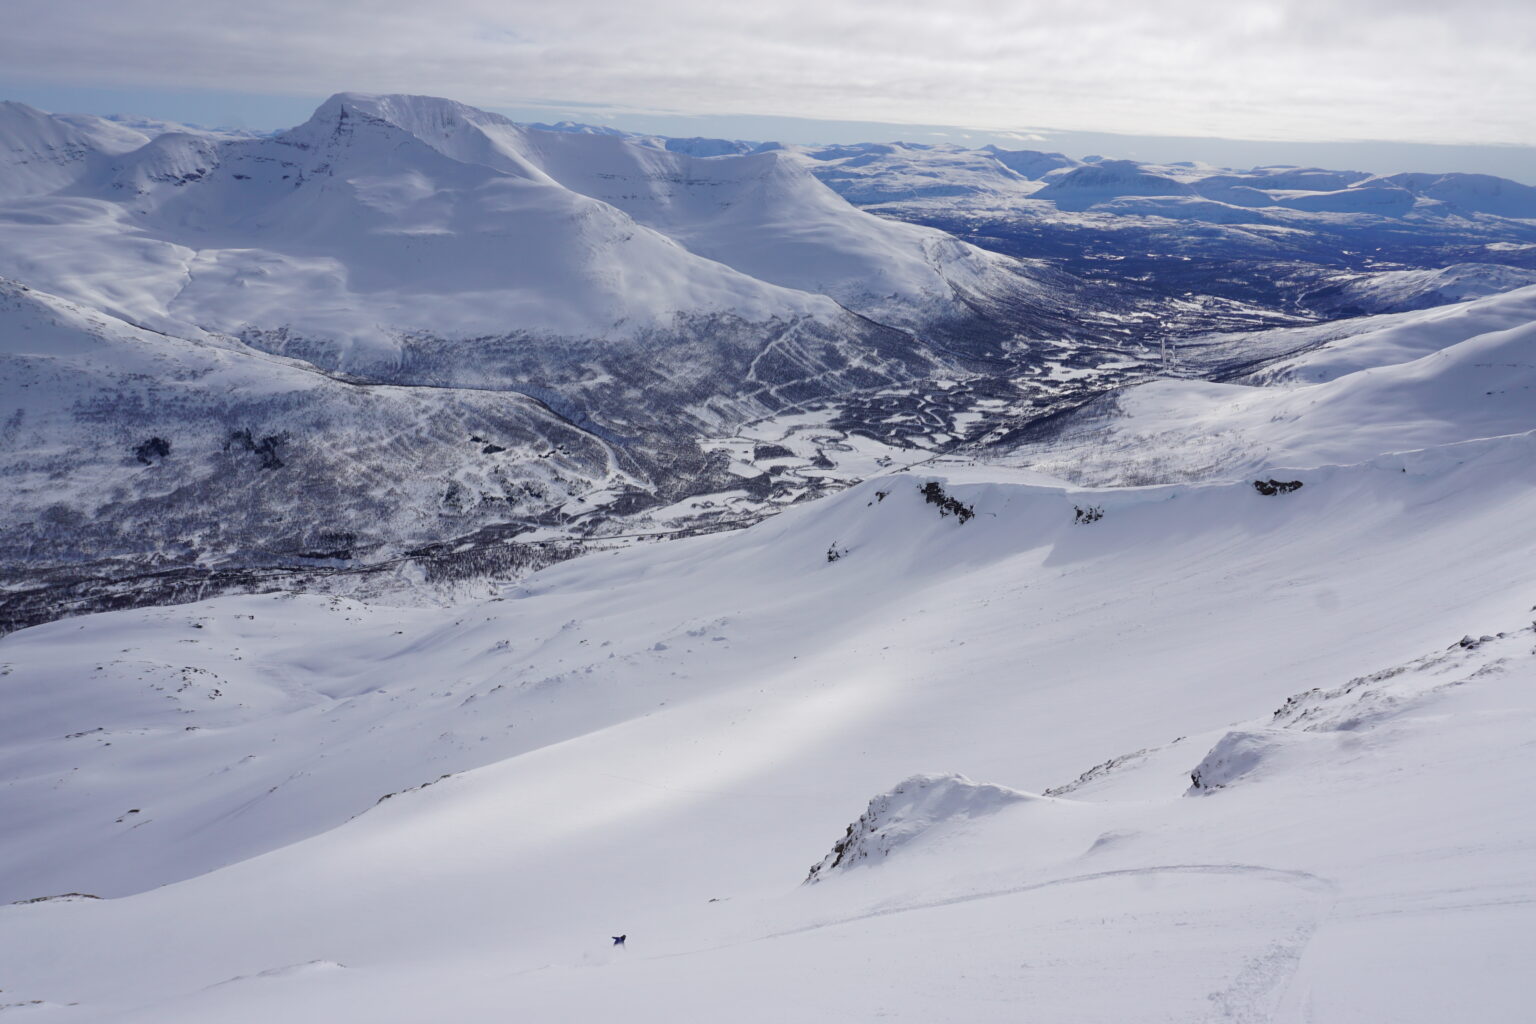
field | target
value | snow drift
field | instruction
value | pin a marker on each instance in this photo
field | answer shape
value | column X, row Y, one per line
column 910, row 810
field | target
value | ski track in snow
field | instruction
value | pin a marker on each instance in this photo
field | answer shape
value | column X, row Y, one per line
column 1303, row 879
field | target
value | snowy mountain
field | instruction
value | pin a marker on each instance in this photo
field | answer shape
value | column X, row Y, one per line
column 41, row 154
column 125, row 446
column 1078, row 188
column 608, row 295
column 895, row 172
column 1252, row 246
column 1134, row 630
column 388, row 218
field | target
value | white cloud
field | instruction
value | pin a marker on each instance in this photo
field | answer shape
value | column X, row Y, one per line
column 1282, row 69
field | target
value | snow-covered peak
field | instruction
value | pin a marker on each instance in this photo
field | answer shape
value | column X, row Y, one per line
column 457, row 130
column 1473, row 193
column 387, row 211
column 1079, row 187
column 173, row 159
column 1032, row 164
column 41, row 153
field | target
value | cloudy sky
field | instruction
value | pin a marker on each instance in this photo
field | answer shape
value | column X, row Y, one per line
column 1403, row 70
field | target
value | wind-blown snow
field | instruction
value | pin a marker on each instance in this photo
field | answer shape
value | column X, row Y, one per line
column 908, row 811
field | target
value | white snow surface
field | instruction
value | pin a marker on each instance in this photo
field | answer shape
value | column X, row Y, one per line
column 1394, row 290
column 1389, row 383
column 316, row 809
column 41, row 154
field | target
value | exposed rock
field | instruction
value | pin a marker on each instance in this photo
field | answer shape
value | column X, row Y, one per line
column 1234, row 755
column 909, row 810
column 154, row 448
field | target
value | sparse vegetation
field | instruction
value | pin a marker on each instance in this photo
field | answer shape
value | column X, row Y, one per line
column 934, row 494
column 154, row 448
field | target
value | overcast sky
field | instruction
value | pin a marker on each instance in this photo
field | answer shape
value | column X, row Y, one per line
column 1403, row 70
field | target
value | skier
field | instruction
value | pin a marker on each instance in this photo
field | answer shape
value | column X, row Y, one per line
column 618, row 940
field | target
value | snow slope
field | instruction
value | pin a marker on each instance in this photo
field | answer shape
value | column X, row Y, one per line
column 1391, row 383
column 1392, row 291
column 658, row 742
column 41, row 154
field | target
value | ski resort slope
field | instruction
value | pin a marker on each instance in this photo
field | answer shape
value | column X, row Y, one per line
column 661, row 742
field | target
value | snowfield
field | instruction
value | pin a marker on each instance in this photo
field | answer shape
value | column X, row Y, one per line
column 317, row 809
column 1394, row 382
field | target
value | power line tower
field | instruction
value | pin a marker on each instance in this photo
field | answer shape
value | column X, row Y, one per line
column 1170, row 356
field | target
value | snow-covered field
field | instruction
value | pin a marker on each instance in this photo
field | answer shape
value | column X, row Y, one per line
column 661, row 742
column 1392, row 382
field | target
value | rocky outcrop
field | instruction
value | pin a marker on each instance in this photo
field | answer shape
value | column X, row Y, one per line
column 911, row 809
